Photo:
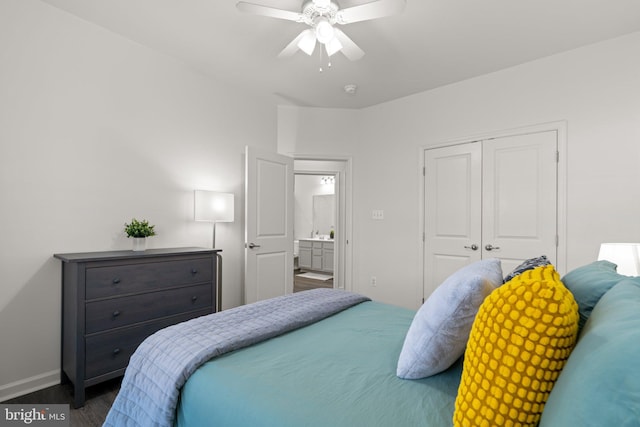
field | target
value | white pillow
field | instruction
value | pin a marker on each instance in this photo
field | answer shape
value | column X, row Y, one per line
column 440, row 329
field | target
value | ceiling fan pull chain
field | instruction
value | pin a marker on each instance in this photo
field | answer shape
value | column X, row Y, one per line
column 328, row 58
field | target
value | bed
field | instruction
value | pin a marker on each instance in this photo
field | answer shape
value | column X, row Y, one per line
column 336, row 364
column 337, row 372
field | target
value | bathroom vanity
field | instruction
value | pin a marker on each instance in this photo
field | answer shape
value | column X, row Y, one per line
column 316, row 254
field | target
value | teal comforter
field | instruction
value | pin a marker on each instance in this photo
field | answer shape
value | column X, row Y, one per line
column 163, row 362
column 337, row 372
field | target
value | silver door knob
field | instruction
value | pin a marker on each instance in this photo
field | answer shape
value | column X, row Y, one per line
column 253, row 245
column 473, row 247
column 490, row 247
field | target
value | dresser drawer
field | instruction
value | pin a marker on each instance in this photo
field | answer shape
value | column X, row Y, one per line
column 110, row 351
column 116, row 312
column 110, row 281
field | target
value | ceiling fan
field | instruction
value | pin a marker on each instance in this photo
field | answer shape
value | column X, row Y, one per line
column 322, row 16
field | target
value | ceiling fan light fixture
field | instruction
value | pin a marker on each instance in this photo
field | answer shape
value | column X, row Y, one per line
column 307, row 43
column 324, row 30
column 321, row 16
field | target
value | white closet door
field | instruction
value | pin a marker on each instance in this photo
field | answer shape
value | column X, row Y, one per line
column 453, row 189
column 495, row 198
column 520, row 198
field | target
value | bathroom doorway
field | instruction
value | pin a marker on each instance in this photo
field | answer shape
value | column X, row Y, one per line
column 322, row 257
column 314, row 231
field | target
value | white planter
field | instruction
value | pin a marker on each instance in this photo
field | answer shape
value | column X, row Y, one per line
column 139, row 244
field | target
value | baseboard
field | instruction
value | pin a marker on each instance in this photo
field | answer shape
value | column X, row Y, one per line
column 29, row 385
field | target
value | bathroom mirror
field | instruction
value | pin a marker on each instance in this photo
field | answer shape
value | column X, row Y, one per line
column 324, row 213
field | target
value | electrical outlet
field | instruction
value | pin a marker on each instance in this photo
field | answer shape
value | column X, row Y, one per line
column 377, row 214
column 374, row 281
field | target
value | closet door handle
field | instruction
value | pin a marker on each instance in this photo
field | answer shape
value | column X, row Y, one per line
column 473, row 247
column 253, row 245
column 490, row 247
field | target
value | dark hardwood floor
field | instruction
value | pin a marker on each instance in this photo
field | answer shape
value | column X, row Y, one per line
column 305, row 284
column 98, row 401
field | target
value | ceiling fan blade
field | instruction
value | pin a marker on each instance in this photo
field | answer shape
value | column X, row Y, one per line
column 272, row 12
column 372, row 10
column 293, row 47
column 349, row 48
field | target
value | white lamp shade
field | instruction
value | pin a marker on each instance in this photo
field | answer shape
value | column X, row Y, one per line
column 307, row 42
column 333, row 46
column 212, row 206
column 624, row 255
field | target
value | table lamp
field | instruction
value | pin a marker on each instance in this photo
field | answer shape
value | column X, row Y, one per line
column 624, row 255
column 212, row 206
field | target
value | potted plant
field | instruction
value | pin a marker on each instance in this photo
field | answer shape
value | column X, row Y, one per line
column 139, row 230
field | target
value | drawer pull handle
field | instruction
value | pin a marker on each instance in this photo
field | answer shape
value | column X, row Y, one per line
column 116, row 313
column 194, row 271
column 194, row 298
column 116, row 351
column 116, row 281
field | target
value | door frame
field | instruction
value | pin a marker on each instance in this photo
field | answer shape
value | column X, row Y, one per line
column 561, row 216
column 341, row 167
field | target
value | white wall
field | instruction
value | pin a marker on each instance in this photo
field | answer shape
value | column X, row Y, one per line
column 95, row 130
column 317, row 131
column 596, row 89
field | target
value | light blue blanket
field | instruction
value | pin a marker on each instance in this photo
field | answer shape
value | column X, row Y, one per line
column 164, row 361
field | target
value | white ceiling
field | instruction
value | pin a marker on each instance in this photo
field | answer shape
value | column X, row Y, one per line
column 432, row 43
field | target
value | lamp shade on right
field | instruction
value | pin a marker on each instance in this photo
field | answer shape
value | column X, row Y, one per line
column 624, row 255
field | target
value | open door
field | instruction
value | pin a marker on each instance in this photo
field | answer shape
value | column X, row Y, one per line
column 268, row 225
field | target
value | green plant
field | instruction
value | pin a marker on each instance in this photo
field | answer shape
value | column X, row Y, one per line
column 139, row 228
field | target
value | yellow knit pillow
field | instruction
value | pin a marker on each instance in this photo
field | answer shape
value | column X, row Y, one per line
column 520, row 340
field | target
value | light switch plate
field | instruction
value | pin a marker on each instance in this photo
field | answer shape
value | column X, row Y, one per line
column 377, row 214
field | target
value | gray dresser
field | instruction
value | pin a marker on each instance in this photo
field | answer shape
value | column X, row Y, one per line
column 111, row 301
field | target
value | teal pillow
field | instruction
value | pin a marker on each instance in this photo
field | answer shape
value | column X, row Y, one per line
column 599, row 385
column 589, row 283
column 440, row 329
